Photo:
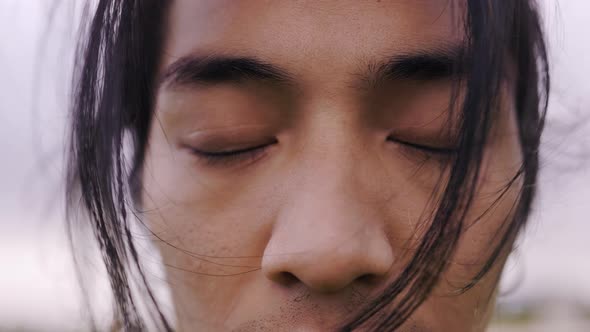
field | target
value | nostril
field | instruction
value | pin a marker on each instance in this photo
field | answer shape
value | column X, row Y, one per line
column 286, row 278
column 368, row 279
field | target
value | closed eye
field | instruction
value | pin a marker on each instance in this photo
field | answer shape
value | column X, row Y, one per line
column 232, row 156
column 447, row 151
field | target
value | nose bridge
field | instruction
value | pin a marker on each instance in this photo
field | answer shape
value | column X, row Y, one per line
column 330, row 184
column 332, row 151
column 326, row 235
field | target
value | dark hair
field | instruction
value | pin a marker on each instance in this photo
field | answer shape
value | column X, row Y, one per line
column 113, row 107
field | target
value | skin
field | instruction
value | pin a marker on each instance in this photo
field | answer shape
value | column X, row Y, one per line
column 298, row 235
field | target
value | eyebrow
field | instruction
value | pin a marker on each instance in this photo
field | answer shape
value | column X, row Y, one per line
column 211, row 70
column 421, row 66
column 218, row 69
column 425, row 66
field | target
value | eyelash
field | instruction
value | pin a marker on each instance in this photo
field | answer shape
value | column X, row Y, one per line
column 424, row 148
column 250, row 154
column 230, row 157
column 424, row 153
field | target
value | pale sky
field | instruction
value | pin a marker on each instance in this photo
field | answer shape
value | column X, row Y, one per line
column 37, row 283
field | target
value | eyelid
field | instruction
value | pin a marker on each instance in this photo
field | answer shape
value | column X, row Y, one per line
column 424, row 148
column 225, row 153
column 232, row 156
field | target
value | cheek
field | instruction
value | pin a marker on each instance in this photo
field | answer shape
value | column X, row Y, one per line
column 494, row 204
column 205, row 233
column 196, row 219
column 486, row 223
column 204, row 219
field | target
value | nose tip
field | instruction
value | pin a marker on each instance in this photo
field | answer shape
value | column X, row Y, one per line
column 330, row 269
column 331, row 230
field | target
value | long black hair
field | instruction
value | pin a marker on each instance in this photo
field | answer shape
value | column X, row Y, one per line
column 113, row 107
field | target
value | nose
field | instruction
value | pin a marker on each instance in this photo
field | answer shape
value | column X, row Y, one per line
column 327, row 240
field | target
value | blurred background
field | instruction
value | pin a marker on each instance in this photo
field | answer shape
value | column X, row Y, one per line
column 546, row 286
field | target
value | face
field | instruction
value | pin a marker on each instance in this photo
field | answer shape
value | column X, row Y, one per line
column 293, row 158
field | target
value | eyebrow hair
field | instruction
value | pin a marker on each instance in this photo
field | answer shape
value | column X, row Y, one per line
column 209, row 70
column 217, row 69
column 422, row 66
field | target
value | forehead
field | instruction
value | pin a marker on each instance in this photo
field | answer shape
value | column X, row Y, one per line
column 311, row 34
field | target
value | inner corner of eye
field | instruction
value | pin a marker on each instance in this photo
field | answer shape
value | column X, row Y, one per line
column 394, row 138
column 184, row 146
